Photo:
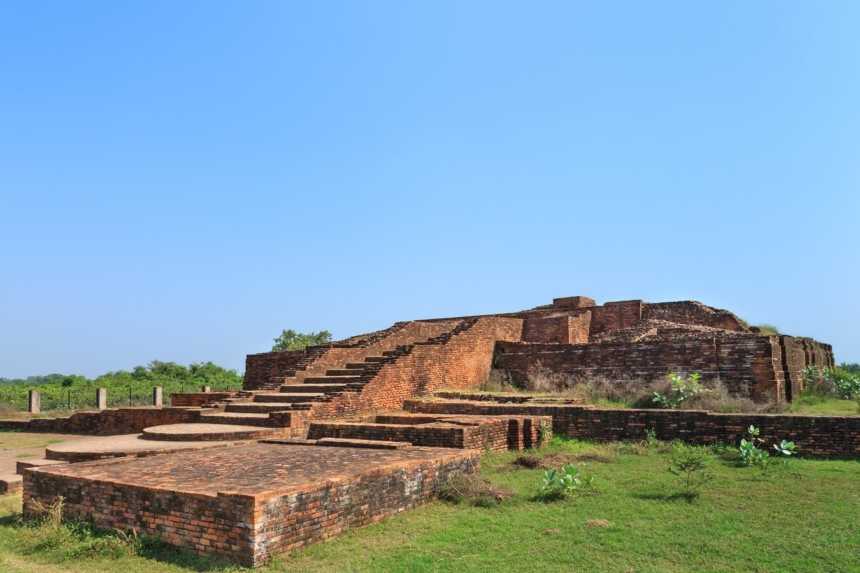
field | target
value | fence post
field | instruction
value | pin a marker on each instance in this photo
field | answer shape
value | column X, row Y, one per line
column 157, row 397
column 206, row 389
column 34, row 402
column 101, row 398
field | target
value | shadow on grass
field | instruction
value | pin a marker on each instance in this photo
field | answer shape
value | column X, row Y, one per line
column 688, row 496
column 157, row 550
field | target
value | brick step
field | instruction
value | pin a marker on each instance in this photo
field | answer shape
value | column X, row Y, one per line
column 257, row 407
column 331, row 379
column 21, row 465
column 369, row 444
column 364, row 366
column 243, row 418
column 376, row 359
column 11, row 483
column 299, row 388
column 345, row 371
column 289, row 397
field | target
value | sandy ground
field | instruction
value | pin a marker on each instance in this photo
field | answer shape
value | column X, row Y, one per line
column 18, row 445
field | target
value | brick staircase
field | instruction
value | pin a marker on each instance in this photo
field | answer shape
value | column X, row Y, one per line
column 299, row 394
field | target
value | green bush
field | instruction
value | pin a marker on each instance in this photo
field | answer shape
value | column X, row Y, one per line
column 562, row 483
column 690, row 465
column 838, row 382
column 681, row 389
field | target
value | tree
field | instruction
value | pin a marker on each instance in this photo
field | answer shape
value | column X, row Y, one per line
column 292, row 340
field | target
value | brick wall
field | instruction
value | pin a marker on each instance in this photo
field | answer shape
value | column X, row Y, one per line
column 562, row 329
column 105, row 422
column 692, row 312
column 830, row 436
column 198, row 399
column 614, row 315
column 464, row 361
column 244, row 527
column 261, row 368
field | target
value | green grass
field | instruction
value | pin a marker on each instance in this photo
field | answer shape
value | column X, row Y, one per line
column 811, row 404
column 803, row 519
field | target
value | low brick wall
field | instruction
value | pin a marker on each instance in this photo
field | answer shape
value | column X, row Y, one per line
column 829, row 436
column 105, row 422
column 324, row 491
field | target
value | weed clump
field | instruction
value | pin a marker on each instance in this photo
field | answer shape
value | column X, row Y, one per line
column 472, row 490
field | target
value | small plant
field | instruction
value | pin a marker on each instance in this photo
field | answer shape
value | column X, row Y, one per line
column 681, row 389
column 690, row 465
column 651, row 440
column 751, row 454
column 562, row 483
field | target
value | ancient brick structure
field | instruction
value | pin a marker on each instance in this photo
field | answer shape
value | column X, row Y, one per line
column 317, row 440
column 626, row 341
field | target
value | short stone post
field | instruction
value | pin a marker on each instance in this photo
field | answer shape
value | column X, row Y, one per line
column 157, row 397
column 101, row 398
column 206, row 389
column 34, row 402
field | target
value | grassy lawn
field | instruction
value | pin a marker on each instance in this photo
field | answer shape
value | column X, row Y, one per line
column 824, row 406
column 802, row 519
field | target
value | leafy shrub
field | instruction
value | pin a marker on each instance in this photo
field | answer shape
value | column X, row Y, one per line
column 838, row 382
column 562, row 483
column 690, row 465
column 472, row 489
column 752, row 455
column 681, row 389
column 292, row 340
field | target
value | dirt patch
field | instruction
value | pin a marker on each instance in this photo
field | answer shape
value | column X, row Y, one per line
column 592, row 523
column 529, row 461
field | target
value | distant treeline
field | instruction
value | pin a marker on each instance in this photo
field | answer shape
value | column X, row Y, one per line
column 125, row 387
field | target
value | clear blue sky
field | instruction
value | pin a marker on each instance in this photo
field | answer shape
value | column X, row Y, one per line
column 182, row 180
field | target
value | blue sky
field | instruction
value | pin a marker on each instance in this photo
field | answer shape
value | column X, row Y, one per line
column 182, row 180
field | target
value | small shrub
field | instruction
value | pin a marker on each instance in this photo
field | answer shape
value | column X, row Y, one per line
column 562, row 483
column 837, row 382
column 751, row 454
column 681, row 389
column 472, row 489
column 690, row 465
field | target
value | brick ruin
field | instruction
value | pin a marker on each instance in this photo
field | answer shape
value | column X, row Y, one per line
column 336, row 436
column 627, row 342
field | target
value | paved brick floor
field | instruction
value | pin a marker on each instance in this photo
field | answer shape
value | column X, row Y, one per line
column 250, row 468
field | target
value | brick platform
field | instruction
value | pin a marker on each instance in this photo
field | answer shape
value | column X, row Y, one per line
column 250, row 501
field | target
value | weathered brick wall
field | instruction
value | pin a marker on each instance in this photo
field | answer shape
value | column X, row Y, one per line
column 464, row 361
column 830, row 436
column 745, row 364
column 692, row 312
column 295, row 520
column 491, row 434
column 614, row 315
column 105, row 422
column 261, row 368
column 220, row 524
column 563, row 329
column 799, row 353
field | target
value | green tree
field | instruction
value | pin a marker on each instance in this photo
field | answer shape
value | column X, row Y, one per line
column 292, row 340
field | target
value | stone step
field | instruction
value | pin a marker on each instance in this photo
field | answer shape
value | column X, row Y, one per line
column 258, row 407
column 331, row 379
column 290, row 397
column 11, row 483
column 356, row 443
column 298, row 388
column 21, row 465
column 243, row 418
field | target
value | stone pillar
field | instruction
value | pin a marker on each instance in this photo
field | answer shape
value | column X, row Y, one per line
column 157, row 397
column 206, row 389
column 101, row 398
column 34, row 402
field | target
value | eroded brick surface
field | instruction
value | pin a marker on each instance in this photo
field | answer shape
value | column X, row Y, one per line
column 248, row 501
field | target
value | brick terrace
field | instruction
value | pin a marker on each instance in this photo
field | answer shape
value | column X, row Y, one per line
column 246, row 502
